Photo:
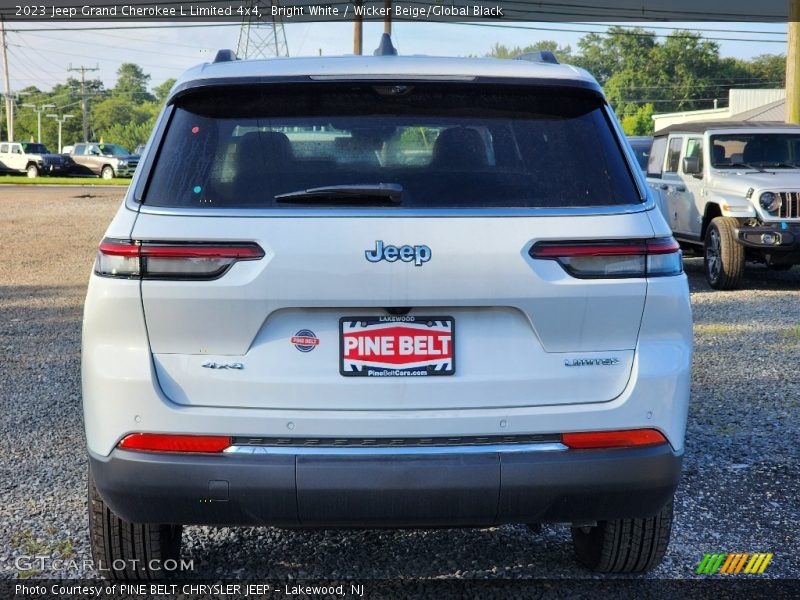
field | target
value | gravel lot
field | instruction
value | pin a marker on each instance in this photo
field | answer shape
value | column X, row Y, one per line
column 739, row 493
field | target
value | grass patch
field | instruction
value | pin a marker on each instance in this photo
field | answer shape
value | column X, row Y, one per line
column 714, row 328
column 26, row 541
column 27, row 574
column 64, row 548
column 793, row 333
column 24, row 180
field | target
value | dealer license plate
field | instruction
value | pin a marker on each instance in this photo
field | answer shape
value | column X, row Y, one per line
column 396, row 346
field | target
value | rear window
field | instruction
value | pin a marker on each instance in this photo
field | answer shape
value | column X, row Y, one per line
column 446, row 145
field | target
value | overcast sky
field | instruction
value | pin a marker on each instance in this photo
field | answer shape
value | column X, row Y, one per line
column 41, row 58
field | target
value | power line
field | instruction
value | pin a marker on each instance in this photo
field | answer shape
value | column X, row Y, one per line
column 605, row 33
column 126, row 48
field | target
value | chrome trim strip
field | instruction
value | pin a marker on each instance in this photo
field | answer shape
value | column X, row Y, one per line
column 392, row 213
column 389, row 451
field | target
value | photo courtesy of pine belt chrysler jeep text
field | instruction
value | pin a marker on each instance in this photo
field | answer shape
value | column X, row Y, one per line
column 386, row 291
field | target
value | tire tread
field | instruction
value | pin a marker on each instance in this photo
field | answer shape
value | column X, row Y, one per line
column 113, row 539
column 625, row 545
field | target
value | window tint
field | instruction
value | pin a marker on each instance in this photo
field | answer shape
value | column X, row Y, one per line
column 656, row 161
column 447, row 145
column 4, row 148
column 674, row 154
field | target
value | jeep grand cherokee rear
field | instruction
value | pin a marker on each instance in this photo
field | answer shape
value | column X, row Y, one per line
column 386, row 292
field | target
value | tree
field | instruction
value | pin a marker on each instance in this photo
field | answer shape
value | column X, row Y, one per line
column 128, row 136
column 621, row 49
column 770, row 69
column 162, row 91
column 640, row 122
column 132, row 84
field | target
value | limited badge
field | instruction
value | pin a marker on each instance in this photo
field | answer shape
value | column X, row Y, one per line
column 305, row 340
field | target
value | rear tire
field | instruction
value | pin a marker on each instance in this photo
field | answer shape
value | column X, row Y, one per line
column 624, row 545
column 127, row 551
column 723, row 255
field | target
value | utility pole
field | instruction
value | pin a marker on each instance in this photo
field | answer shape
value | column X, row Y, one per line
column 39, row 110
column 82, row 71
column 60, row 120
column 358, row 31
column 793, row 64
column 9, row 99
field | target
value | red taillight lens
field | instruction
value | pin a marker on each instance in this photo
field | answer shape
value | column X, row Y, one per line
column 613, row 439
column 614, row 259
column 160, row 442
column 170, row 260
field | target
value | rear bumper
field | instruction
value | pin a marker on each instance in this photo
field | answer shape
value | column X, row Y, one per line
column 423, row 489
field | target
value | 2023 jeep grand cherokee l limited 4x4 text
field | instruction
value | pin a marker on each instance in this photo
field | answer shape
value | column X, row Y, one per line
column 386, row 292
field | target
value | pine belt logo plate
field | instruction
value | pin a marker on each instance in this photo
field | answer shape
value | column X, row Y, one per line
column 396, row 346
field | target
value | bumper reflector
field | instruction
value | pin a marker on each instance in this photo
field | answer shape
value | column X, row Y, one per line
column 613, row 439
column 162, row 442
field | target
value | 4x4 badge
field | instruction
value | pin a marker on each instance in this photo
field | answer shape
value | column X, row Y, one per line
column 418, row 254
column 215, row 365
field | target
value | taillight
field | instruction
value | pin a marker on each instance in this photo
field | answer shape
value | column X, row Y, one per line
column 613, row 439
column 614, row 259
column 162, row 442
column 170, row 260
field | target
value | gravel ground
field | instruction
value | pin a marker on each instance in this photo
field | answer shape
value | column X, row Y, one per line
column 739, row 493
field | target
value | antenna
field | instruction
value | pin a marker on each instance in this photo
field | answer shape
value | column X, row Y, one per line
column 385, row 48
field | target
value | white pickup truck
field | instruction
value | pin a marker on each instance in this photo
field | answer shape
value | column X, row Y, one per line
column 732, row 191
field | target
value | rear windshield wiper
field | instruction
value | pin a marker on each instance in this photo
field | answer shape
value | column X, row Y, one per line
column 372, row 194
column 749, row 166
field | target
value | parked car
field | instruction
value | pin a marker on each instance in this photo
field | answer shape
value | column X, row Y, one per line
column 359, row 305
column 103, row 160
column 641, row 148
column 731, row 191
column 31, row 159
column 139, row 149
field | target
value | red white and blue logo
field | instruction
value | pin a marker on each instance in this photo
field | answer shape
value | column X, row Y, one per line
column 305, row 340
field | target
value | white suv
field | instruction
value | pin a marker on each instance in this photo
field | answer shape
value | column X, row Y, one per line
column 386, row 292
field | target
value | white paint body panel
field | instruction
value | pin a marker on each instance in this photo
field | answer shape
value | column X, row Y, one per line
column 121, row 393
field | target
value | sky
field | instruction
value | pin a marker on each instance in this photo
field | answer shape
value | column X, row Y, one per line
column 41, row 56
